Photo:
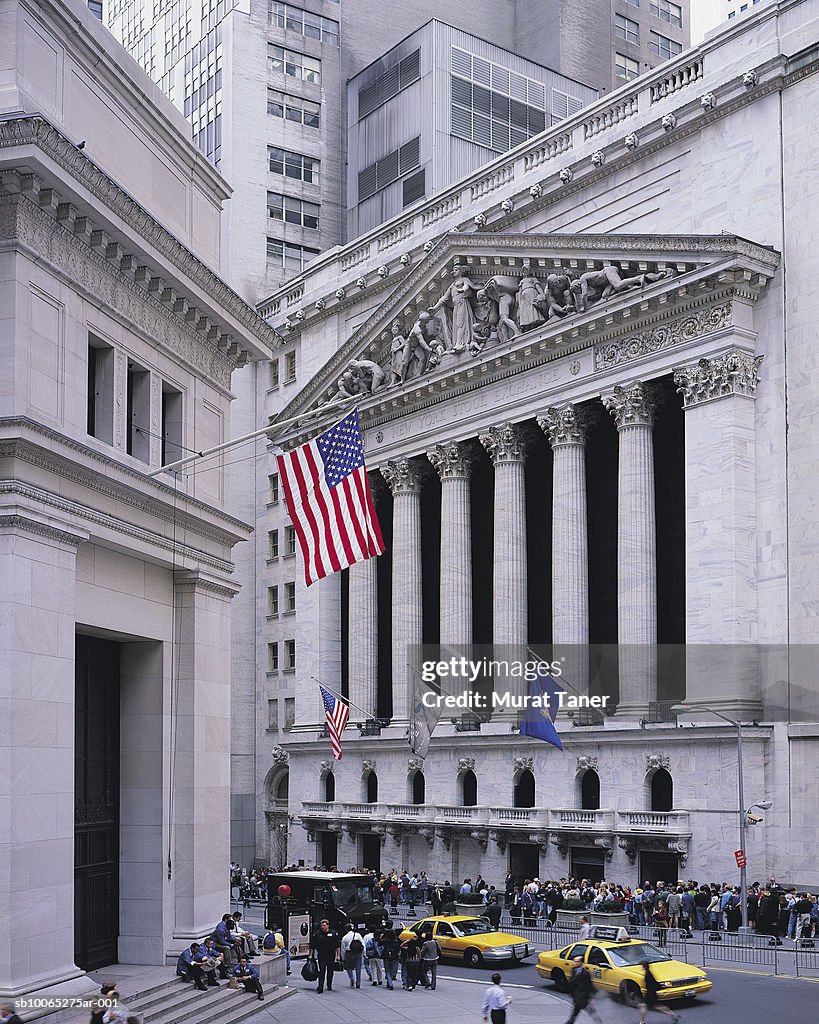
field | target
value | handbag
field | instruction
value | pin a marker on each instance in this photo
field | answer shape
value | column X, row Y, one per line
column 337, row 965
column 310, row 970
column 233, row 982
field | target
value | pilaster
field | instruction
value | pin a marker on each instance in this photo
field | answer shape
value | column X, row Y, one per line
column 452, row 462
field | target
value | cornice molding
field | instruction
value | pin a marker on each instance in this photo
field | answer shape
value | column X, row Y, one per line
column 38, row 132
column 15, row 522
column 192, row 579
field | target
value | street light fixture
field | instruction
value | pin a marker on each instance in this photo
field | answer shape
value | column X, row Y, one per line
column 743, row 813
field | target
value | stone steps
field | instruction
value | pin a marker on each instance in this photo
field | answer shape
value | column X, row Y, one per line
column 181, row 1001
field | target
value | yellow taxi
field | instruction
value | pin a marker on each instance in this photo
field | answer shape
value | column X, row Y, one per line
column 615, row 967
column 470, row 939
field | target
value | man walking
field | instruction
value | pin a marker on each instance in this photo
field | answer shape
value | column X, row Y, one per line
column 352, row 956
column 324, row 946
column 581, row 989
column 430, row 955
column 495, row 1002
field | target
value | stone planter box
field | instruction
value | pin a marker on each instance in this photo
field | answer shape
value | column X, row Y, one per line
column 571, row 917
column 610, row 920
column 469, row 909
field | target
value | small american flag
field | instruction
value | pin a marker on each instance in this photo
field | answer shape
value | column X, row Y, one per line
column 329, row 501
column 336, row 712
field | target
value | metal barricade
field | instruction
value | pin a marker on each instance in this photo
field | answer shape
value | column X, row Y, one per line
column 807, row 958
column 728, row 949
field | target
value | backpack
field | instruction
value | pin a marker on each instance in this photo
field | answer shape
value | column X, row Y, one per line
column 356, row 946
column 371, row 949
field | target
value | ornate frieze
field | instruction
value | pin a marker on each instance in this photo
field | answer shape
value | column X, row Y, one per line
column 524, row 764
column 279, row 755
column 655, row 761
column 631, row 406
column 452, row 461
column 677, row 332
column 403, row 476
column 415, row 764
column 368, row 765
column 326, row 767
column 466, row 764
column 587, row 763
column 563, row 425
column 505, row 443
column 734, row 373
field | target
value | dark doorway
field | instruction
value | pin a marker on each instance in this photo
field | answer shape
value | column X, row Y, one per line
column 524, row 861
column 658, row 867
column 525, row 789
column 419, row 788
column 96, row 803
column 328, row 850
column 370, row 851
column 662, row 791
column 329, row 787
column 469, row 788
column 371, row 788
column 588, row 863
column 383, row 566
column 590, row 790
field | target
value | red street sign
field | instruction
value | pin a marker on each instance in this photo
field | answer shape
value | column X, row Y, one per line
column 740, row 856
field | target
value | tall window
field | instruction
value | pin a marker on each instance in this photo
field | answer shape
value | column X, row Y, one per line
column 293, row 108
column 289, row 540
column 664, row 47
column 171, row 424
column 290, row 367
column 418, row 788
column 290, row 654
column 626, row 29
column 272, row 600
column 294, row 19
column 293, row 165
column 273, row 657
column 294, row 64
column 290, row 597
column 273, row 544
column 329, row 787
column 668, row 11
column 525, row 789
column 469, row 789
column 627, row 68
column 662, row 791
column 590, row 790
column 288, row 255
column 100, row 398
column 274, row 374
column 371, row 788
column 138, row 412
column 273, row 489
column 292, row 211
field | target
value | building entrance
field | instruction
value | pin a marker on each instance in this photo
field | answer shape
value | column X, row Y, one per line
column 658, row 867
column 524, row 861
column 370, row 851
column 96, row 803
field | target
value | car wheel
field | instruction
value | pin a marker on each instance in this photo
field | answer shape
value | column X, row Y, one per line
column 631, row 994
column 559, row 978
column 473, row 958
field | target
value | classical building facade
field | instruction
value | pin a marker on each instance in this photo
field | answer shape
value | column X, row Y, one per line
column 118, row 341
column 588, row 407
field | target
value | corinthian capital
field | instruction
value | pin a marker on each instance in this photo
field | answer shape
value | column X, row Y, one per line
column 631, row 406
column 452, row 460
column 403, row 476
column 734, row 373
column 563, row 425
column 504, row 444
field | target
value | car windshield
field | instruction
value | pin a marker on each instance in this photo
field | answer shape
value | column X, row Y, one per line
column 351, row 894
column 471, row 927
column 635, row 953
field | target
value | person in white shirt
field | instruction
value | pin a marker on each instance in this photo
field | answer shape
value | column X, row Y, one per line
column 116, row 1014
column 352, row 956
column 495, row 1002
column 585, row 928
column 373, row 963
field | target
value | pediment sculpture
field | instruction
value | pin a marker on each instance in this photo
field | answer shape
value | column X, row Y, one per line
column 473, row 313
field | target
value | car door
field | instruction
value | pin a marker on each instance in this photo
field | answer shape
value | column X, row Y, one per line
column 601, row 970
column 447, row 940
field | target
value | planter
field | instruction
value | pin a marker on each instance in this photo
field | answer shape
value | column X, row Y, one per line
column 469, row 909
column 571, row 917
column 610, row 920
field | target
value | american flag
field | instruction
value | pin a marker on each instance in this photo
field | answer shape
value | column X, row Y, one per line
column 328, row 498
column 336, row 712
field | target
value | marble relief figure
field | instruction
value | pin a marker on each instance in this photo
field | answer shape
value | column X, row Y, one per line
column 459, row 296
column 530, row 293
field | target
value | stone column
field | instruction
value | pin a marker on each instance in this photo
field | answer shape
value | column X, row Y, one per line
column 362, row 646
column 506, row 448
column 452, row 462
column 633, row 411
column 566, row 429
column 404, row 479
column 720, row 533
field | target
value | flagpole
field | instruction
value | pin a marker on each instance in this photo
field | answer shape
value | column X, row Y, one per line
column 540, row 661
column 261, row 432
column 346, row 700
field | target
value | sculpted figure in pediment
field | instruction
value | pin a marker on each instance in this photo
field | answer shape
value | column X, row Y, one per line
column 557, row 299
column 370, row 375
column 530, row 293
column 502, row 290
column 459, row 297
column 596, row 285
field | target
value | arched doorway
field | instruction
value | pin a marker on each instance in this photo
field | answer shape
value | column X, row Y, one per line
column 524, row 794
column 469, row 789
column 418, row 788
column 590, row 790
column 661, row 790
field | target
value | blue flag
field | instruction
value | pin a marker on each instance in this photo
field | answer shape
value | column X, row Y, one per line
column 539, row 722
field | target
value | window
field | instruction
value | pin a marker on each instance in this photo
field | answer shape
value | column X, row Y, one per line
column 564, row 105
column 371, row 788
column 273, row 657
column 274, row 374
column 138, row 412
column 292, row 211
column 290, row 367
column 626, row 29
column 388, row 169
column 590, row 790
column 289, row 712
column 664, row 47
column 95, row 7
column 171, row 424
column 273, row 715
column 524, row 795
column 290, row 597
column 389, row 84
column 414, row 188
column 295, row 64
column 273, row 544
column 665, row 10
column 288, row 256
column 418, row 788
column 494, row 119
column 469, row 789
column 273, row 489
column 293, row 108
column 293, row 165
column 626, row 67
column 329, row 787
column 100, row 397
column 732, row 14
column 272, row 600
column 289, row 540
column 294, row 19
column 662, row 790
column 290, row 654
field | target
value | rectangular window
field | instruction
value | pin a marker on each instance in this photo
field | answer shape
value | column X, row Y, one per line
column 95, row 7
column 294, row 64
column 293, row 211
column 274, row 374
column 290, row 257
column 273, row 489
column 289, row 712
column 294, row 19
column 290, row 654
column 668, row 11
column 293, row 108
column 289, row 540
column 389, row 169
column 273, row 544
column 414, row 188
column 626, row 67
column 293, row 165
column 272, row 600
column 171, row 424
column 138, row 412
column 273, row 657
column 290, row 367
column 626, row 29
column 273, row 715
column 664, row 47
column 505, row 115
column 100, row 397
column 389, row 83
column 290, row 597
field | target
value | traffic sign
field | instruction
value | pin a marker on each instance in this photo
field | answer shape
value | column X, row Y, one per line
column 740, row 856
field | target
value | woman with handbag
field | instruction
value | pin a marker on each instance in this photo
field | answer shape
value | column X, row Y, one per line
column 661, row 922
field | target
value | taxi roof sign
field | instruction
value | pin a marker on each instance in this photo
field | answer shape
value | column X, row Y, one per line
column 610, row 934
